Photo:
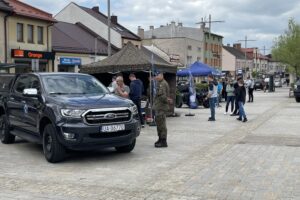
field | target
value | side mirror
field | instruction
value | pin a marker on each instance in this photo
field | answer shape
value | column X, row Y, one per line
column 30, row 92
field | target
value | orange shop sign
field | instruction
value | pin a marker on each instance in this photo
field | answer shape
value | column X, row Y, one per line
column 19, row 53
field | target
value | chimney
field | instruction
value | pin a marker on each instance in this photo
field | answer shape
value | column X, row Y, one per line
column 237, row 46
column 180, row 24
column 151, row 27
column 162, row 26
column 114, row 19
column 141, row 32
column 96, row 9
column 173, row 23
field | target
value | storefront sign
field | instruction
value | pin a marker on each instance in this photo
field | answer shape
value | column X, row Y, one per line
column 19, row 53
column 70, row 61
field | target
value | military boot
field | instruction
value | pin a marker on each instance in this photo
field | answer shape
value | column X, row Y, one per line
column 158, row 141
column 161, row 144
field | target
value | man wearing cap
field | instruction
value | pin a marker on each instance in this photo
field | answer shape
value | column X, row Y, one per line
column 161, row 107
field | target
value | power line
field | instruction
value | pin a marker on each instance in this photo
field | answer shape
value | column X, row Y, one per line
column 246, row 40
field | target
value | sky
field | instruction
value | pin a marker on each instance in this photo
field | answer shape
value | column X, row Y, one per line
column 260, row 20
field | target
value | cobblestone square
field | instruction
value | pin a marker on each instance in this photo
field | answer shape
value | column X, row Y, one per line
column 225, row 159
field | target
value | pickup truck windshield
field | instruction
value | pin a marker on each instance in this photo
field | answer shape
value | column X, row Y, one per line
column 72, row 84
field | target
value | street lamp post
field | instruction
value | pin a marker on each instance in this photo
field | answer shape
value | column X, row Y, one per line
column 108, row 24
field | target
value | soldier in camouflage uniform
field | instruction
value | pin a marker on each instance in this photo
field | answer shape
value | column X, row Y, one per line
column 161, row 107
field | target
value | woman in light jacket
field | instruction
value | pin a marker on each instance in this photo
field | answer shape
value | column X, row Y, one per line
column 230, row 96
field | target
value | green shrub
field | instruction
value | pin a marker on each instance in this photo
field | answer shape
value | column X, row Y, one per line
column 201, row 86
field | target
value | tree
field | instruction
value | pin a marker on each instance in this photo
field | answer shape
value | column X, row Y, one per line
column 286, row 47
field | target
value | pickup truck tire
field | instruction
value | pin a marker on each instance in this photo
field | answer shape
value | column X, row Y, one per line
column 53, row 150
column 127, row 148
column 298, row 99
column 5, row 136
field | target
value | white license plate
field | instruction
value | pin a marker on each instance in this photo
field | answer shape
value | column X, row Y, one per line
column 113, row 128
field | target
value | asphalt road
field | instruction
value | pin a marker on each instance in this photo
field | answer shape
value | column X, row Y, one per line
column 225, row 159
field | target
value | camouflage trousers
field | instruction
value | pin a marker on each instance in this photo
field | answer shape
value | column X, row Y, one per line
column 161, row 124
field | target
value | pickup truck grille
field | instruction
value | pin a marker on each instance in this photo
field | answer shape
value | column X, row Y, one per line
column 107, row 117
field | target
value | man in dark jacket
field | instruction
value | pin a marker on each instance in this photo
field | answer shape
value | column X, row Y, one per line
column 136, row 92
column 236, row 105
column 241, row 99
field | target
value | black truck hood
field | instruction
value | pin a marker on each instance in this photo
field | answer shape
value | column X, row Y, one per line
column 89, row 101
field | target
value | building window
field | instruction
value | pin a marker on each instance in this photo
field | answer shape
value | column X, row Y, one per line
column 20, row 32
column 189, row 60
column 40, row 34
column 199, row 48
column 189, row 47
column 30, row 33
column 198, row 58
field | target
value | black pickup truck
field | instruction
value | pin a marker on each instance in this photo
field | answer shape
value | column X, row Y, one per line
column 65, row 111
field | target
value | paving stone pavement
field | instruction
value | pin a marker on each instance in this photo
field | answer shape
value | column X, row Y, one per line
column 225, row 159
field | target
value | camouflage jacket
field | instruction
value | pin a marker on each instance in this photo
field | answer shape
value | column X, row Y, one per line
column 161, row 104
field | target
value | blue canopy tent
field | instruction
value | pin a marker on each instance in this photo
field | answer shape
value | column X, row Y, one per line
column 199, row 69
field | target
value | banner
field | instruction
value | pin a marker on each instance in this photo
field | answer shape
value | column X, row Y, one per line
column 192, row 91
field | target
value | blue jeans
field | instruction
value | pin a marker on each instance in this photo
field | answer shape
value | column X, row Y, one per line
column 230, row 99
column 212, row 105
column 242, row 110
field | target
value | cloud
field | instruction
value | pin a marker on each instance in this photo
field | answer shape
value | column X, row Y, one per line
column 261, row 20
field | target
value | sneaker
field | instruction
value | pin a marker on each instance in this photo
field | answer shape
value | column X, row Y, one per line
column 143, row 126
column 245, row 120
column 239, row 119
column 231, row 113
column 225, row 113
column 211, row 119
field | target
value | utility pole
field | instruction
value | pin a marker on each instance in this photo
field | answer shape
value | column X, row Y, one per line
column 108, row 24
column 203, row 24
column 246, row 40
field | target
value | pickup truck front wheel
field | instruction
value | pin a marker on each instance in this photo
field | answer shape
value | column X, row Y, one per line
column 5, row 136
column 53, row 150
column 127, row 148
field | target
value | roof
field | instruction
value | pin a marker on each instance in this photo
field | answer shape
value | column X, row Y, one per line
column 130, row 58
column 213, row 34
column 4, row 6
column 237, row 53
column 76, row 38
column 117, row 27
column 23, row 9
column 156, row 58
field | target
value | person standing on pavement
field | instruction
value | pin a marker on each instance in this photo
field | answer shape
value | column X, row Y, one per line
column 230, row 96
column 122, row 90
column 113, row 83
column 212, row 96
column 241, row 99
column 136, row 92
column 236, row 105
column 250, row 85
column 220, row 89
column 161, row 107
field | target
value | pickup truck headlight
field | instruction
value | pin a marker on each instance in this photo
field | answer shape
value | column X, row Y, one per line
column 134, row 110
column 72, row 113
